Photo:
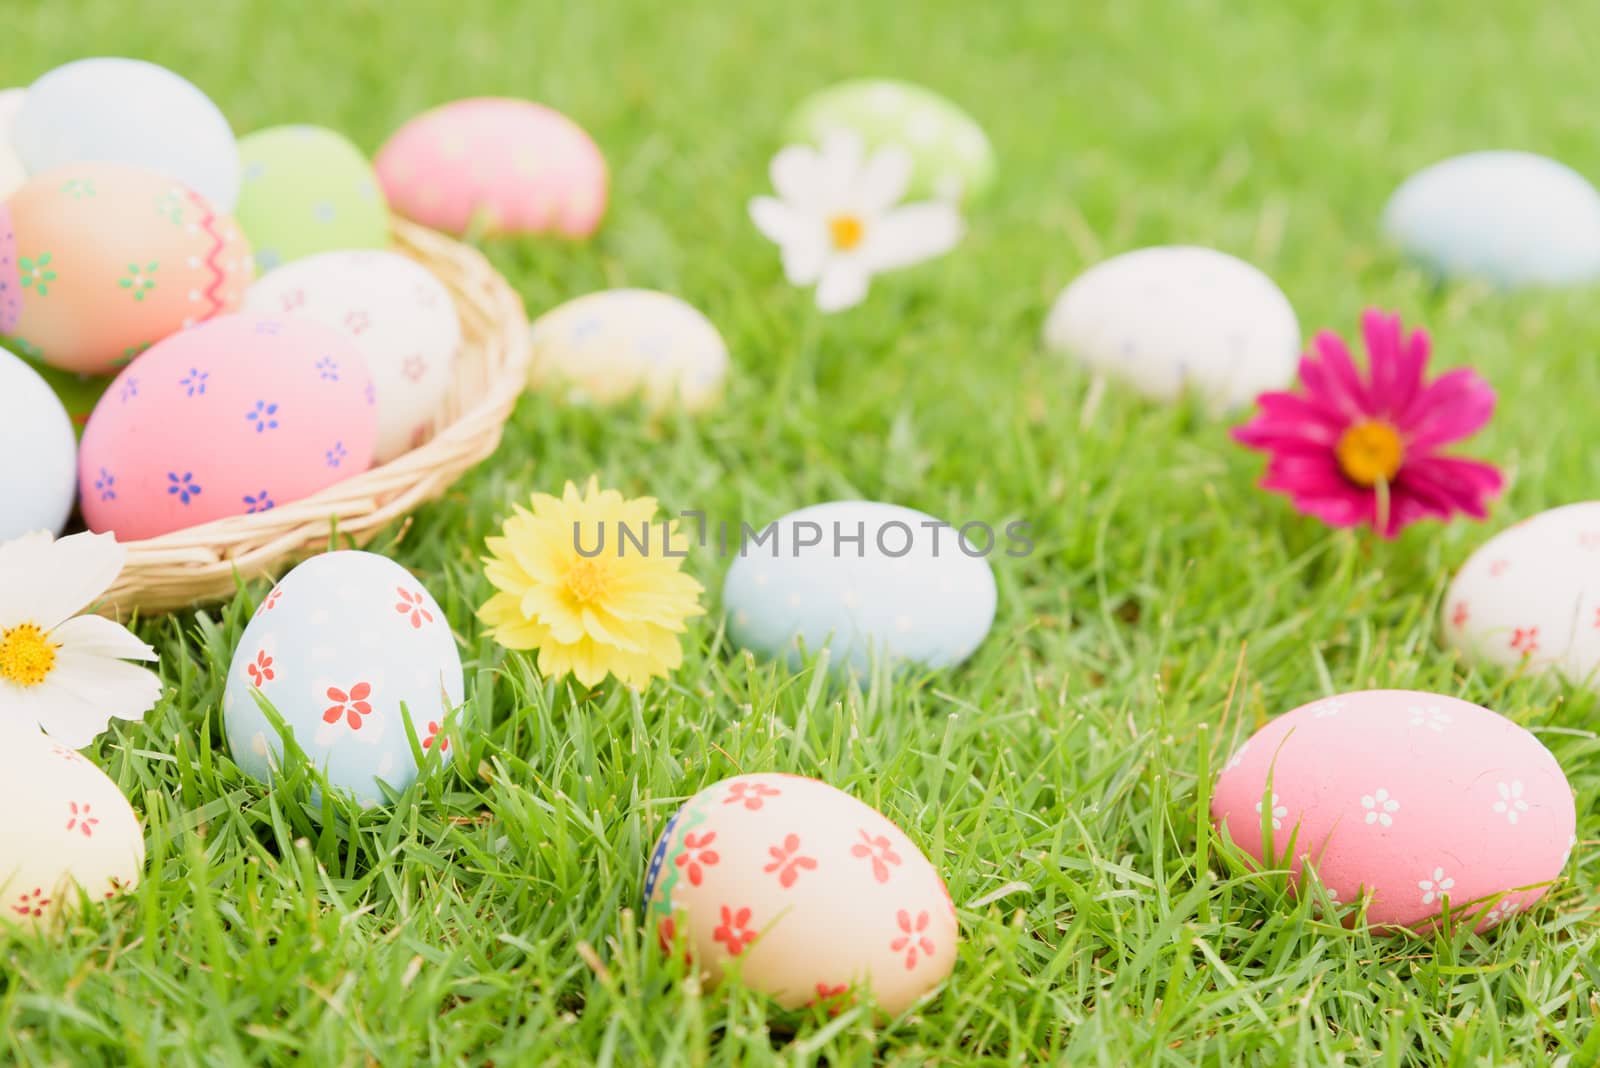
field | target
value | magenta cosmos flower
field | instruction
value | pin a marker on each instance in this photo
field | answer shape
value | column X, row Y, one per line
column 1353, row 449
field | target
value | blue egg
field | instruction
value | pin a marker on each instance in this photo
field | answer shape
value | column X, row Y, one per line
column 1511, row 218
column 865, row 579
column 338, row 647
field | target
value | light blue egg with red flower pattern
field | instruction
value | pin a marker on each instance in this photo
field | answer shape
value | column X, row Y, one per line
column 339, row 647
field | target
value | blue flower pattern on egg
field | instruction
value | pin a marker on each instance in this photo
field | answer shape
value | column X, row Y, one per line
column 258, row 502
column 129, row 390
column 336, row 454
column 328, row 368
column 263, row 416
column 105, row 486
column 184, row 488
column 195, row 381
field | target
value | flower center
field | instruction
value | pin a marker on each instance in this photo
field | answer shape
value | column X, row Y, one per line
column 26, row 657
column 1370, row 452
column 847, row 232
column 587, row 581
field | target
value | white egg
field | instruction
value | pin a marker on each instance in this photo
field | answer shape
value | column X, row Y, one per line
column 39, row 479
column 68, row 831
column 1174, row 319
column 399, row 315
column 127, row 111
column 864, row 579
column 603, row 347
column 12, row 172
column 1531, row 595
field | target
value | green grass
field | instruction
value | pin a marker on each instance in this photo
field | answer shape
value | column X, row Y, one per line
column 1059, row 778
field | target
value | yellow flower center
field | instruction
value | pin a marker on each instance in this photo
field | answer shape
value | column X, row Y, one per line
column 587, row 581
column 26, row 657
column 1370, row 453
column 847, row 232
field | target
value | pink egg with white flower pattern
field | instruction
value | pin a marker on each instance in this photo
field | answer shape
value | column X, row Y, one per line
column 1410, row 799
column 816, row 894
column 1530, row 597
column 499, row 165
column 235, row 416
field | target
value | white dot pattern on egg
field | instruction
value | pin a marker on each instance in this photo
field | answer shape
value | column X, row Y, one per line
column 338, row 647
column 603, row 347
column 398, row 314
column 813, row 891
column 68, row 828
column 1172, row 319
column 906, row 590
column 1531, row 596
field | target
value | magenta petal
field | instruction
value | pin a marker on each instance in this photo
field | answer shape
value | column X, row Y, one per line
column 1382, row 336
column 1462, row 485
column 1314, row 419
column 1454, row 406
column 1340, row 378
column 1413, row 364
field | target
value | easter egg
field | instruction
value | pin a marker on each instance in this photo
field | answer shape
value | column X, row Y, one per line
column 40, row 479
column 99, row 261
column 1175, row 319
column 815, row 893
column 497, row 166
column 307, row 189
column 68, row 831
column 338, row 647
column 1510, row 218
column 12, row 172
column 606, row 346
column 864, row 579
column 952, row 158
column 1406, row 798
column 399, row 315
column 1530, row 597
column 127, row 111
column 233, row 417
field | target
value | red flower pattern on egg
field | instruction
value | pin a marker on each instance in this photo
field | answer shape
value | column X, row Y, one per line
column 433, row 735
column 787, row 862
column 750, row 794
column 31, row 904
column 912, row 937
column 696, row 853
column 352, row 705
column 1525, row 640
column 880, row 849
column 411, row 604
column 81, row 819
column 734, row 932
column 261, row 670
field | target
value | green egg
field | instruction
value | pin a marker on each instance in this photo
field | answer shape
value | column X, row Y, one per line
column 953, row 158
column 306, row 190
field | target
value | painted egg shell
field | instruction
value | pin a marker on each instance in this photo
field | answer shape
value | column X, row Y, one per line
column 1173, row 319
column 399, row 315
column 77, row 393
column 1408, row 797
column 816, row 893
column 1531, row 595
column 40, row 480
column 131, row 112
column 337, row 647
column 810, row 583
column 12, row 172
column 306, row 190
column 236, row 416
column 951, row 156
column 606, row 346
column 68, row 832
column 1511, row 218
column 99, row 261
column 503, row 166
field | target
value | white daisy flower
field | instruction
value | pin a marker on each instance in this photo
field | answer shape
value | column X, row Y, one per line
column 58, row 669
column 838, row 220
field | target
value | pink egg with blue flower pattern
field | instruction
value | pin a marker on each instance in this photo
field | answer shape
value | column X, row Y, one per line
column 235, row 416
column 1410, row 800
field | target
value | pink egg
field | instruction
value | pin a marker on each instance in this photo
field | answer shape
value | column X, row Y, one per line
column 815, row 893
column 238, row 415
column 507, row 166
column 1411, row 798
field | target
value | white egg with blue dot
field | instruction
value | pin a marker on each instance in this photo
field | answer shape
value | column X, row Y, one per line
column 339, row 647
column 39, row 478
column 1510, row 218
column 866, row 579
column 1177, row 319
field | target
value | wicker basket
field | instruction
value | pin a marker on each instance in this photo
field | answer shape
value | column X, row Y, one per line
column 204, row 563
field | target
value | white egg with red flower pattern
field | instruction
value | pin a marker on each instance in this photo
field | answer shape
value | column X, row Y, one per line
column 398, row 314
column 1530, row 596
column 816, row 894
column 1404, row 798
column 344, row 647
column 69, row 833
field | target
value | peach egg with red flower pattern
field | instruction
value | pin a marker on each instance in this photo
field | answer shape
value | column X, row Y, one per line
column 69, row 834
column 815, row 895
column 345, row 649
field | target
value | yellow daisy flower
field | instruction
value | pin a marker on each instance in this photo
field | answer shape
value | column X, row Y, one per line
column 588, row 583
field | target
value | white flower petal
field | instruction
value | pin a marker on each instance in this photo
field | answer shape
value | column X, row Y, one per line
column 64, row 714
column 24, row 547
column 117, row 689
column 883, row 181
column 45, row 585
column 910, row 235
column 98, row 636
column 780, row 222
column 796, row 174
column 804, row 260
column 843, row 285
column 840, row 173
